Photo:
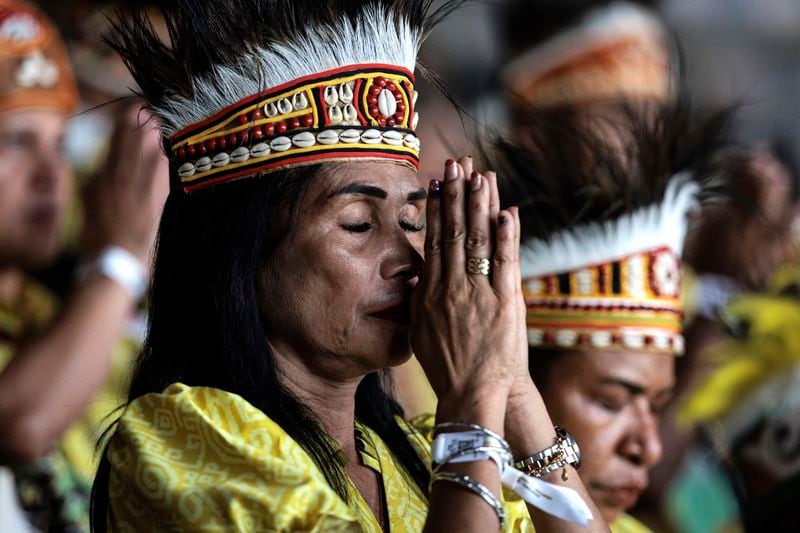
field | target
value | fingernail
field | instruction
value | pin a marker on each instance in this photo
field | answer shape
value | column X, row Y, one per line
column 451, row 170
column 435, row 186
column 477, row 181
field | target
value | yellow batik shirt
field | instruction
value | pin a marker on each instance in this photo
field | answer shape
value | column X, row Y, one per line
column 202, row 459
column 54, row 490
column 628, row 524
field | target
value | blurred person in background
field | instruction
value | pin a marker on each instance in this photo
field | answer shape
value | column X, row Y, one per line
column 743, row 470
column 734, row 247
column 574, row 60
column 585, row 56
column 103, row 80
column 603, row 225
column 55, row 358
column 753, row 231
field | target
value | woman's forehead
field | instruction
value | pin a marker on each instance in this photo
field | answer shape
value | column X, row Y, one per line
column 652, row 372
column 394, row 181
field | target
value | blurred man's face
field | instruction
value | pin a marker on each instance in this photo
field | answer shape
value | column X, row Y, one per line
column 34, row 186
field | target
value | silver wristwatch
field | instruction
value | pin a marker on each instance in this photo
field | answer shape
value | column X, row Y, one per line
column 564, row 452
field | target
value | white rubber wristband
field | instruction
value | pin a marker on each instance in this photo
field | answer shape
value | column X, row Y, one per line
column 448, row 444
column 120, row 266
column 480, row 445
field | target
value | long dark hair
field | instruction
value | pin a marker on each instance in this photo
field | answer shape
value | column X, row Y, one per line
column 206, row 328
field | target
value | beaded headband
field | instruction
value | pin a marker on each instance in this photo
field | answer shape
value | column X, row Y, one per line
column 619, row 52
column 614, row 285
column 34, row 66
column 632, row 303
column 363, row 112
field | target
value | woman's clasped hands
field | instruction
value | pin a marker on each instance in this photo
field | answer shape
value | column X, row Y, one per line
column 468, row 318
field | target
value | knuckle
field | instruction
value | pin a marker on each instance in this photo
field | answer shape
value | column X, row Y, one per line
column 504, row 236
column 432, row 243
column 452, row 194
column 501, row 260
column 454, row 232
column 453, row 295
column 451, row 305
column 477, row 241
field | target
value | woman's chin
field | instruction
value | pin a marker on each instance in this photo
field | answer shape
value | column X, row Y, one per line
column 398, row 350
column 610, row 514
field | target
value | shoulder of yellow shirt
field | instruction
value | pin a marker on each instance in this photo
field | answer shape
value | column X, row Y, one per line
column 628, row 524
column 31, row 312
column 281, row 486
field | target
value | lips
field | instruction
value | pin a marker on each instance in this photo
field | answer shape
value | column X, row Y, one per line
column 43, row 215
column 398, row 312
column 618, row 496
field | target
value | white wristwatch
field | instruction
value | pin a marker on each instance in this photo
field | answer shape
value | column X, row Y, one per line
column 120, row 266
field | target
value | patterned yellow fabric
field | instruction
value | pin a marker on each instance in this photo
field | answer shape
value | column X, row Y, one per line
column 53, row 495
column 55, row 490
column 202, row 459
column 628, row 524
column 29, row 314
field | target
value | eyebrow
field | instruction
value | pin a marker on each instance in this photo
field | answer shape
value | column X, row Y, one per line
column 418, row 195
column 360, row 188
column 634, row 389
column 376, row 192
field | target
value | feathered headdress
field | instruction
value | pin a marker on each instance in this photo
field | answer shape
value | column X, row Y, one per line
column 757, row 375
column 603, row 221
column 574, row 52
column 246, row 87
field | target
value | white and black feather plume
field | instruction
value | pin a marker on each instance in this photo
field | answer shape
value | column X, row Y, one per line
column 220, row 52
column 585, row 198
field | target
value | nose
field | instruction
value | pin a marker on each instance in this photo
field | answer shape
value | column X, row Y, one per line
column 49, row 172
column 642, row 445
column 402, row 259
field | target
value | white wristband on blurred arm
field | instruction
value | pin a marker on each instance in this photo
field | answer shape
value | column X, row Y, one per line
column 120, row 266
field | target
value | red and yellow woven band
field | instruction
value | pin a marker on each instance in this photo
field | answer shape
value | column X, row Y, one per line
column 631, row 303
column 357, row 112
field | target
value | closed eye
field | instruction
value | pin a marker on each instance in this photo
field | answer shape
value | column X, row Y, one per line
column 358, row 228
column 411, row 227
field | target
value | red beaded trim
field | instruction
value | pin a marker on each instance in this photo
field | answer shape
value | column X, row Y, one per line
column 256, row 133
column 643, row 312
column 631, row 307
column 358, row 112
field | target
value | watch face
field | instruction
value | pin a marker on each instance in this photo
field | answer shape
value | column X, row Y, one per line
column 571, row 442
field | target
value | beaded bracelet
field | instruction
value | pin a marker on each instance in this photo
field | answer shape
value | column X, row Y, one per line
column 475, row 487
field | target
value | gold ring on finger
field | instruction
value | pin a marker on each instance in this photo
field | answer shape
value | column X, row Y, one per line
column 478, row 266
